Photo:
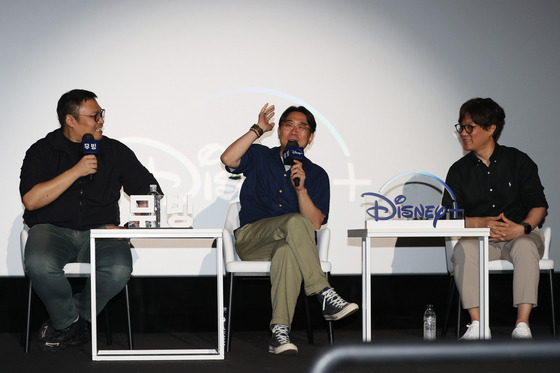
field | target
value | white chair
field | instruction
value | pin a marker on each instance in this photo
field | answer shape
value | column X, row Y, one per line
column 498, row 266
column 70, row 270
column 236, row 267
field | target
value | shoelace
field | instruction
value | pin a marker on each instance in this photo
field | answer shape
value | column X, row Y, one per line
column 333, row 298
column 282, row 334
column 44, row 331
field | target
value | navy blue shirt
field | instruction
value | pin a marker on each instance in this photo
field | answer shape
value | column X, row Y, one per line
column 511, row 185
column 267, row 190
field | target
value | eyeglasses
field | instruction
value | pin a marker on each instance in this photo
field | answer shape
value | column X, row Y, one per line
column 467, row 127
column 300, row 127
column 97, row 116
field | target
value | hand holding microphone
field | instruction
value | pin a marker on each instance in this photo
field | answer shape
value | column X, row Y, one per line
column 90, row 146
column 292, row 153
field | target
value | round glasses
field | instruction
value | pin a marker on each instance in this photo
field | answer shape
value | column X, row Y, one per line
column 97, row 116
column 467, row 127
column 300, row 127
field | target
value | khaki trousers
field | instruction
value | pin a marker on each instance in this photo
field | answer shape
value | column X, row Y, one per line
column 288, row 241
column 524, row 252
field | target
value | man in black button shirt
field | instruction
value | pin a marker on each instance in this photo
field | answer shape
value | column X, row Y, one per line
column 499, row 188
column 65, row 194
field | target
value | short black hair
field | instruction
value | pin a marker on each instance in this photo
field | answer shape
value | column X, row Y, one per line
column 300, row 109
column 70, row 103
column 485, row 112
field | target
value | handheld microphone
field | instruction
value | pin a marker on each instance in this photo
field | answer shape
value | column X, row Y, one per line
column 90, row 146
column 292, row 152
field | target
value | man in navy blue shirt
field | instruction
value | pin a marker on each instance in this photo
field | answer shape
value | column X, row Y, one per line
column 499, row 188
column 279, row 217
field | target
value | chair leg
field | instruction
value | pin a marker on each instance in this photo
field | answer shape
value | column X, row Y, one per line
column 330, row 331
column 28, row 322
column 551, row 274
column 307, row 316
column 229, row 311
column 458, row 317
column 450, row 298
column 108, row 335
column 106, row 316
column 130, row 341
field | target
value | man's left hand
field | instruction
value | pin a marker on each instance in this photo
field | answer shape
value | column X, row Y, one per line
column 507, row 232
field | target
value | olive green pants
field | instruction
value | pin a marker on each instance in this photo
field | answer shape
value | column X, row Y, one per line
column 288, row 242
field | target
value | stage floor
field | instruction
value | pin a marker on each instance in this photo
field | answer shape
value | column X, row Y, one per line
column 249, row 354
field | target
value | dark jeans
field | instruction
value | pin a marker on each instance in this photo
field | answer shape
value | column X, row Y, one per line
column 47, row 251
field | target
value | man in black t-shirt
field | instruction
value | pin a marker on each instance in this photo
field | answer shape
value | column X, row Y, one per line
column 499, row 188
column 65, row 194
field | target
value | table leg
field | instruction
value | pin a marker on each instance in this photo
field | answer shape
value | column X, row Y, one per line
column 220, row 291
column 483, row 287
column 366, row 289
column 93, row 280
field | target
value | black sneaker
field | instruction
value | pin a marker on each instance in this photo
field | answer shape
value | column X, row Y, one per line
column 46, row 331
column 52, row 339
column 334, row 307
column 280, row 341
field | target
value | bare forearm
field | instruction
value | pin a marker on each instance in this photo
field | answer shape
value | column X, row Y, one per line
column 535, row 216
column 476, row 222
column 232, row 155
column 308, row 208
column 44, row 193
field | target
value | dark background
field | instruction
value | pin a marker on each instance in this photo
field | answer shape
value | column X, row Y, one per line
column 182, row 304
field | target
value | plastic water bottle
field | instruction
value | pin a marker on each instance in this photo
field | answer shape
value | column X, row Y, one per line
column 430, row 324
column 157, row 209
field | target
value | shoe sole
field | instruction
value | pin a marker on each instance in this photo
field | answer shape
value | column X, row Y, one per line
column 285, row 349
column 346, row 311
column 82, row 339
column 476, row 338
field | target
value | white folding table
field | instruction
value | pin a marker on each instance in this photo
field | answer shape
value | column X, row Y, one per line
column 387, row 232
column 160, row 354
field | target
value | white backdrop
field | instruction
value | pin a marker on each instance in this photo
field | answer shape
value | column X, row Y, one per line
column 181, row 80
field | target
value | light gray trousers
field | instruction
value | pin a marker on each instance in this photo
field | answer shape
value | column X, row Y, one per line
column 524, row 252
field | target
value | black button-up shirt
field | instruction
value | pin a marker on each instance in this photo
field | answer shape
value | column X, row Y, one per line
column 511, row 185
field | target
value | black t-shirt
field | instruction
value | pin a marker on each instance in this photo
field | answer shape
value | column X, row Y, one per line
column 88, row 202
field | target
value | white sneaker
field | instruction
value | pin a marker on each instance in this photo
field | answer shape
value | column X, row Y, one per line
column 473, row 332
column 521, row 331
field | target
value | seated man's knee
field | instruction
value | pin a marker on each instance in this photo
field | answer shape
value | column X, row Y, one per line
column 118, row 273
column 525, row 248
column 299, row 220
column 463, row 249
column 40, row 264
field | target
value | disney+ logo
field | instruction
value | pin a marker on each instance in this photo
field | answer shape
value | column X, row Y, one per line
column 398, row 209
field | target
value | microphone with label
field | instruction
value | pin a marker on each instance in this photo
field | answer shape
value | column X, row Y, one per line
column 90, row 146
column 293, row 152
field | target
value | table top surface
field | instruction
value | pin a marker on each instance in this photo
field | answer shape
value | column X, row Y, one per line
column 418, row 232
column 156, row 233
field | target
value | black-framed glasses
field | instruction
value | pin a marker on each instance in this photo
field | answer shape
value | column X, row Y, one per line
column 467, row 127
column 300, row 127
column 97, row 116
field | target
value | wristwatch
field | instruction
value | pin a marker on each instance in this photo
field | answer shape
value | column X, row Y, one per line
column 527, row 227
